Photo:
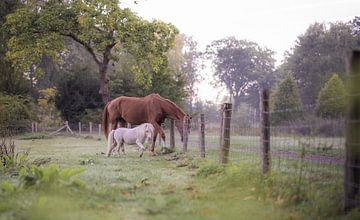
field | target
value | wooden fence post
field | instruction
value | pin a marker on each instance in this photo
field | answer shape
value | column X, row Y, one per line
column 90, row 127
column 99, row 129
column 265, row 130
column 79, row 124
column 221, row 125
column 202, row 135
column 225, row 146
column 352, row 144
column 185, row 133
column 32, row 127
column 36, row 127
column 172, row 134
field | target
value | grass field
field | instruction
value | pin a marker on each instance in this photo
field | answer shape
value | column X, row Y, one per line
column 171, row 186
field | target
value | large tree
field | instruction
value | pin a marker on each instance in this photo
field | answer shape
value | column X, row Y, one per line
column 100, row 26
column 320, row 51
column 11, row 81
column 241, row 66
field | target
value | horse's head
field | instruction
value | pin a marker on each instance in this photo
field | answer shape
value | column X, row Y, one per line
column 149, row 132
column 180, row 125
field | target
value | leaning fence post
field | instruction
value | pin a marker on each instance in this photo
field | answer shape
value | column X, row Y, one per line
column 79, row 124
column 185, row 133
column 90, row 127
column 352, row 144
column 225, row 146
column 265, row 130
column 202, row 135
column 172, row 134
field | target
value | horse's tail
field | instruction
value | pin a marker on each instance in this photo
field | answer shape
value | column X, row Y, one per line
column 105, row 120
column 110, row 142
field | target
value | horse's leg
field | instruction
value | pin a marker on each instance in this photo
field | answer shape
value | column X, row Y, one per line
column 162, row 133
column 141, row 146
column 152, row 147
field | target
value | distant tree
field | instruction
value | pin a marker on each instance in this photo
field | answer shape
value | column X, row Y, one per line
column 320, row 51
column 285, row 101
column 40, row 28
column 356, row 28
column 331, row 102
column 240, row 65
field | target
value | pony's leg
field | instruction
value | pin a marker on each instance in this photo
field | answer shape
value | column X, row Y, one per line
column 122, row 147
column 110, row 149
column 141, row 147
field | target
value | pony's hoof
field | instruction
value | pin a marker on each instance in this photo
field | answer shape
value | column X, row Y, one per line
column 153, row 154
column 141, row 155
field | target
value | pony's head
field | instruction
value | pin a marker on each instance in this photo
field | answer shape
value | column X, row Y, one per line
column 149, row 131
column 180, row 125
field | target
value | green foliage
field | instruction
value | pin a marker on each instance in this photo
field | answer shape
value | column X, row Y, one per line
column 318, row 53
column 242, row 66
column 211, row 169
column 16, row 112
column 103, row 28
column 77, row 93
column 11, row 161
column 47, row 112
column 285, row 102
column 331, row 102
column 49, row 176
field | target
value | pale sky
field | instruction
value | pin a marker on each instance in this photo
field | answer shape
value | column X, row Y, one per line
column 274, row 24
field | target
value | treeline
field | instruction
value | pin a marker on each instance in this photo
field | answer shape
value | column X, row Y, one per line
column 63, row 60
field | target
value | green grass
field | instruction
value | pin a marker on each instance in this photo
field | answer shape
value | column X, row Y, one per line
column 172, row 186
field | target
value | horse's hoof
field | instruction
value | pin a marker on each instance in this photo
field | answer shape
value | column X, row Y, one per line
column 153, row 154
column 141, row 155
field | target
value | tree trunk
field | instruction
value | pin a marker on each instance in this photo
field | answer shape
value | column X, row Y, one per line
column 104, row 81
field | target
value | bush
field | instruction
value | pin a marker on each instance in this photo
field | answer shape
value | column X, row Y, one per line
column 9, row 160
column 16, row 113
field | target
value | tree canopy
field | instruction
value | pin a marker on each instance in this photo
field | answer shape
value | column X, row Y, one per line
column 240, row 65
column 103, row 28
column 331, row 102
column 320, row 51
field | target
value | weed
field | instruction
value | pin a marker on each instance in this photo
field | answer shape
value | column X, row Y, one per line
column 211, row 169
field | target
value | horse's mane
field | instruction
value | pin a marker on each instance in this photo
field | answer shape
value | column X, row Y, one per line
column 168, row 101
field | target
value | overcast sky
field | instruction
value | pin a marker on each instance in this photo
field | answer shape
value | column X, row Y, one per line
column 274, row 24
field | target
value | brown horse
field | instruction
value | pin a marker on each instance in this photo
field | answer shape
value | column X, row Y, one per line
column 149, row 109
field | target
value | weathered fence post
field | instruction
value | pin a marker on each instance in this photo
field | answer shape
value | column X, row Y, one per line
column 99, row 129
column 128, row 125
column 202, row 135
column 221, row 125
column 172, row 134
column 225, row 142
column 32, row 127
column 90, row 127
column 36, row 127
column 79, row 124
column 352, row 144
column 185, row 133
column 265, row 130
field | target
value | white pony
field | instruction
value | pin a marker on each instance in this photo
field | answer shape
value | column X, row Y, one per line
column 130, row 136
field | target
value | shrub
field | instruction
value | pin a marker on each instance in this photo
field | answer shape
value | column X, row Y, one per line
column 16, row 113
column 9, row 160
column 331, row 102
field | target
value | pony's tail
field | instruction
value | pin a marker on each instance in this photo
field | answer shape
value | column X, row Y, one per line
column 110, row 142
column 105, row 122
